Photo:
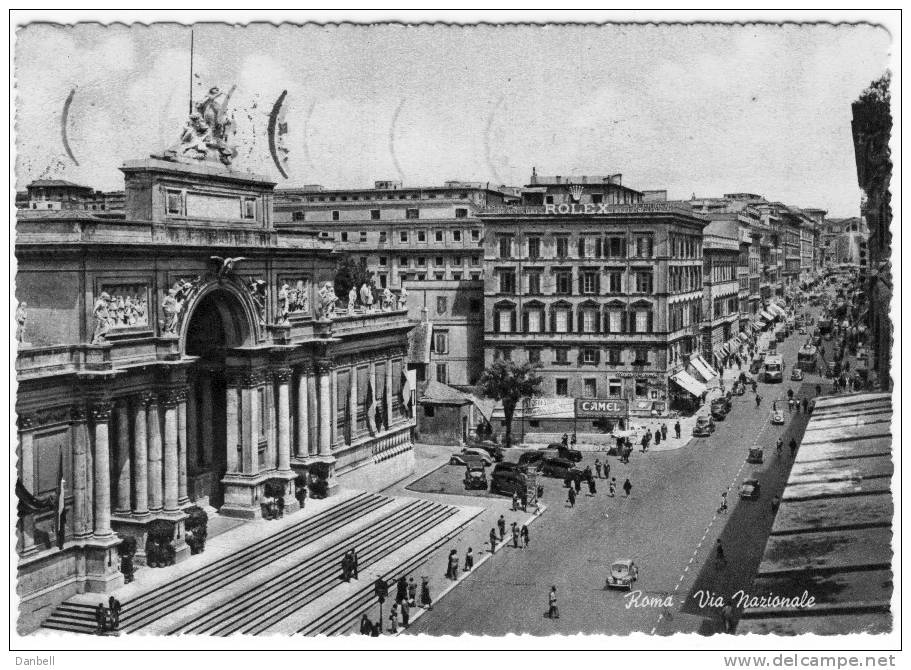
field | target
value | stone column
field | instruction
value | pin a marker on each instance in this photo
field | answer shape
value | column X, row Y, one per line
column 82, row 528
column 192, row 432
column 283, row 379
column 169, row 401
column 101, row 414
column 302, row 448
column 206, row 417
column 334, row 438
column 390, row 419
column 141, row 455
column 313, row 413
column 324, row 371
column 155, row 465
column 352, row 404
column 26, row 424
column 231, row 436
column 123, row 458
column 182, row 496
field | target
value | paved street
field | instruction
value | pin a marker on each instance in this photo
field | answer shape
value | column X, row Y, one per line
column 668, row 525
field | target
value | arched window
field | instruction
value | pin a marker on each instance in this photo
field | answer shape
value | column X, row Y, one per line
column 589, row 317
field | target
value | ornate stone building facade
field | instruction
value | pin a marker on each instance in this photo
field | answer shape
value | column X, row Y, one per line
column 181, row 354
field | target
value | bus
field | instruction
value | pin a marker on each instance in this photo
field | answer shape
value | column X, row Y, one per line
column 773, row 369
column 806, row 358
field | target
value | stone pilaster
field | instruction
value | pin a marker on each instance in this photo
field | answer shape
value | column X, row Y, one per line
column 123, row 458
column 101, row 415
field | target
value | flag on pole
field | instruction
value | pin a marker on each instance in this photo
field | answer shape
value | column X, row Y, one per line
column 371, row 406
column 60, row 515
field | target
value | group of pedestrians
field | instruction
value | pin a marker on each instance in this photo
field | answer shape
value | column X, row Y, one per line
column 107, row 619
column 406, row 599
column 349, row 565
column 575, row 486
column 519, row 535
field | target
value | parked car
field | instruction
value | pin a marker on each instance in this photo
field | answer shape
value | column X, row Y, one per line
column 560, row 468
column 475, row 477
column 739, row 388
column 492, row 449
column 507, row 478
column 796, row 374
column 623, row 572
column 749, row 489
column 704, row 427
column 777, row 418
column 532, row 459
column 568, row 453
column 463, row 457
column 755, row 455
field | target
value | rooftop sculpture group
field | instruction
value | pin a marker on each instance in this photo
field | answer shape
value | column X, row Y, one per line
column 205, row 137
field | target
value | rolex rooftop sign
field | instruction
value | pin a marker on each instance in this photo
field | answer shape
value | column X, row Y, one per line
column 589, row 209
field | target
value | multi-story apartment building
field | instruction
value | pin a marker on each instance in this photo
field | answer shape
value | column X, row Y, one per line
column 603, row 291
column 721, row 286
column 412, row 237
column 59, row 194
column 818, row 217
column 791, row 221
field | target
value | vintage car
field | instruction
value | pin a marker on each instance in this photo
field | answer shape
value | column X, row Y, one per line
column 802, row 330
column 755, row 455
column 749, row 489
column 508, row 478
column 739, row 388
column 492, row 449
column 705, row 426
column 777, row 418
column 470, row 453
column 719, row 409
column 560, row 468
column 796, row 374
column 475, row 477
column 623, row 572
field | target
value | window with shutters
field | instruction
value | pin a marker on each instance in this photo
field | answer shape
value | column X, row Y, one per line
column 442, row 375
column 644, row 245
column 507, row 281
column 507, row 354
column 505, row 320
column 643, row 281
column 562, row 244
column 534, row 247
column 475, row 234
column 590, row 321
column 564, row 283
column 295, row 216
column 590, row 356
column 615, row 247
column 475, row 260
column 422, row 261
column 589, row 283
column 615, row 282
column 591, row 387
column 535, row 320
column 441, row 342
column 505, row 245
column 561, row 355
column 615, row 321
column 456, row 235
column 562, row 320
column 581, row 246
column 561, row 386
column 438, row 236
column 461, row 212
column 438, row 261
column 335, row 215
column 534, row 282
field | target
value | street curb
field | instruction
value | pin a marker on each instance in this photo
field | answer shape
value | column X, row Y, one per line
column 465, row 575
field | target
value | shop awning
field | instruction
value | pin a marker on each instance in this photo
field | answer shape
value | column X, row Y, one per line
column 766, row 315
column 775, row 309
column 702, row 368
column 688, row 383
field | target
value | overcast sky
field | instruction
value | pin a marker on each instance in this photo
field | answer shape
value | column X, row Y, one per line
column 691, row 109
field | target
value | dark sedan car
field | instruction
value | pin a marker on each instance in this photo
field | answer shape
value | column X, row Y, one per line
column 560, row 468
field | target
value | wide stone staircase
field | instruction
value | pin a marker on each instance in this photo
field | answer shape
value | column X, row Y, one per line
column 289, row 581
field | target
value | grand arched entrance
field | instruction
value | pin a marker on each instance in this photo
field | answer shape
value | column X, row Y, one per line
column 217, row 324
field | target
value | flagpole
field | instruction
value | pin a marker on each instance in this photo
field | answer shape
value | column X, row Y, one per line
column 191, row 70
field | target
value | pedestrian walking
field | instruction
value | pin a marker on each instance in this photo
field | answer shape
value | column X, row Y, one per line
column 778, row 445
column 577, row 482
column 366, row 627
column 101, row 619
column 663, row 431
column 469, row 561
column 406, row 613
column 515, row 501
column 677, row 429
column 818, row 389
column 413, row 589
column 627, row 486
column 758, row 400
column 598, row 468
column 657, row 437
column 524, row 499
column 452, row 565
column 571, row 497
column 346, row 567
column 525, row 535
column 720, row 560
column 565, row 439
column 724, row 502
column 501, row 525
column 515, row 535
column 425, row 594
column 790, row 405
column 573, row 440
column 613, row 487
column 805, row 405
column 553, row 612
column 401, row 589
column 790, row 394
column 793, row 445
column 394, row 619
column 606, row 469
column 727, row 618
column 354, row 563
column 591, row 487
column 493, row 540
